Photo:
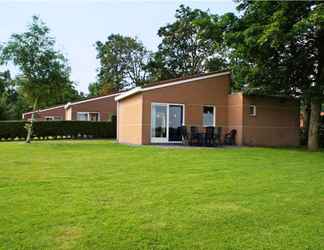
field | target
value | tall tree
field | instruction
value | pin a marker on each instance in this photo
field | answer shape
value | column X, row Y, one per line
column 122, row 62
column 7, row 96
column 94, row 89
column 44, row 70
column 281, row 45
column 185, row 49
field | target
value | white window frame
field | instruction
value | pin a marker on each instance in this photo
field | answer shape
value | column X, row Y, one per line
column 165, row 140
column 254, row 110
column 214, row 115
column 58, row 118
column 94, row 113
column 82, row 113
column 49, row 118
column 88, row 115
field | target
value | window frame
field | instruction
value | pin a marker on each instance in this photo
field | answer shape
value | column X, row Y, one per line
column 49, row 118
column 58, row 118
column 214, row 116
column 167, row 105
column 98, row 113
column 88, row 115
column 253, row 114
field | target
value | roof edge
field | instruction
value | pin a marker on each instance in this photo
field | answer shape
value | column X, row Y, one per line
column 42, row 110
column 69, row 104
column 91, row 99
column 129, row 93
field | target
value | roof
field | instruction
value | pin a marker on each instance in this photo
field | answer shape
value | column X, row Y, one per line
column 69, row 104
column 46, row 109
column 172, row 82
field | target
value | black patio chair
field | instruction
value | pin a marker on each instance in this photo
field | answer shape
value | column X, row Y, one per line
column 230, row 137
column 195, row 137
column 184, row 135
column 210, row 138
column 218, row 134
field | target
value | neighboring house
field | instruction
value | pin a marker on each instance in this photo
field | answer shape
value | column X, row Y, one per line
column 47, row 114
column 93, row 109
column 153, row 113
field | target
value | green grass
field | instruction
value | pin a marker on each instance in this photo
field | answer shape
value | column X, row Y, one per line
column 101, row 195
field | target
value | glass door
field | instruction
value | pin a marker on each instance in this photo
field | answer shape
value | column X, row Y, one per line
column 175, row 122
column 159, row 115
column 166, row 122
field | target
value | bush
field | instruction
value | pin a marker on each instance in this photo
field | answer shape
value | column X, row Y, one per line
column 62, row 129
column 12, row 130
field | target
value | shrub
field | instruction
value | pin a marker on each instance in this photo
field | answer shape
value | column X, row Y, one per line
column 12, row 129
column 53, row 129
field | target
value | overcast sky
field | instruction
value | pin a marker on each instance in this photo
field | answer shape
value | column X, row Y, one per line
column 77, row 25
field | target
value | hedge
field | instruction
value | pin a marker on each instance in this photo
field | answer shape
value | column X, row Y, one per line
column 63, row 129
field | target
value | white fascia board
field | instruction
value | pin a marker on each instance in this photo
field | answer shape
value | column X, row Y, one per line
column 42, row 110
column 92, row 99
column 129, row 93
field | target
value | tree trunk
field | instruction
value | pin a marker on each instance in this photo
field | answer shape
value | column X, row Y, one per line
column 306, row 117
column 313, row 143
column 30, row 127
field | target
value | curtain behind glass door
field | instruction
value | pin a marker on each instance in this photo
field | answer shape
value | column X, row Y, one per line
column 175, row 122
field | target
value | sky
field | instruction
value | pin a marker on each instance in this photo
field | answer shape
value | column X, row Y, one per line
column 77, row 25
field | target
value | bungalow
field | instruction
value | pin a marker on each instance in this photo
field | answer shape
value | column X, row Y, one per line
column 93, row 109
column 47, row 114
column 153, row 113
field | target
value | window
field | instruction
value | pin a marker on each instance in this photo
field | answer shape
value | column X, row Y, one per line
column 49, row 118
column 94, row 116
column 82, row 116
column 208, row 116
column 53, row 118
column 88, row 116
column 252, row 110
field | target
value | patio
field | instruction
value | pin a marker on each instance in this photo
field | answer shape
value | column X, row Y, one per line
column 207, row 136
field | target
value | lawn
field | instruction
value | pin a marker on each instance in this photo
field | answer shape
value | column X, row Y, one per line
column 101, row 195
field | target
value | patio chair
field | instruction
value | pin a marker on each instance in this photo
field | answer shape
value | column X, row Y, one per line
column 195, row 137
column 210, row 138
column 218, row 134
column 230, row 137
column 184, row 135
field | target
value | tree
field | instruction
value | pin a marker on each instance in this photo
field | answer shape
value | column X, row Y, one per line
column 281, row 47
column 100, row 89
column 122, row 63
column 7, row 96
column 185, row 48
column 94, row 89
column 43, row 70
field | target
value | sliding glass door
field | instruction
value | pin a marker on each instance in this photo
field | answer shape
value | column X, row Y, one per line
column 166, row 122
column 175, row 122
column 159, row 123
